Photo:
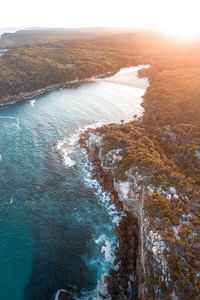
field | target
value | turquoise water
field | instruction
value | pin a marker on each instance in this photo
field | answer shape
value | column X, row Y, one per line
column 56, row 224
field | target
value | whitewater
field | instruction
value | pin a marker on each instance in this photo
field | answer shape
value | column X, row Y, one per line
column 57, row 225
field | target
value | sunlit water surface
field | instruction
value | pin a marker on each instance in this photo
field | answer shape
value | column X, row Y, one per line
column 56, row 224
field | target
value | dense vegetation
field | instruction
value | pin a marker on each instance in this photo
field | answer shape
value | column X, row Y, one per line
column 30, row 68
column 163, row 148
column 40, row 58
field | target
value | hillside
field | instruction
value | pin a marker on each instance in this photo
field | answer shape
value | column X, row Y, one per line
column 151, row 165
column 38, row 59
column 155, row 163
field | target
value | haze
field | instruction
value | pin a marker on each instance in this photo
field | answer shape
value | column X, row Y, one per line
column 178, row 17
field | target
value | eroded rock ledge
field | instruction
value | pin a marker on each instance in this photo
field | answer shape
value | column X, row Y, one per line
column 158, row 236
column 125, row 283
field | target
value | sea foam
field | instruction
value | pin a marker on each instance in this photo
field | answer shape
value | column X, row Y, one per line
column 99, row 293
column 107, row 246
column 68, row 146
column 103, row 197
column 32, row 102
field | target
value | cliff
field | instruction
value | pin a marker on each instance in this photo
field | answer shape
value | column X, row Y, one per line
column 152, row 166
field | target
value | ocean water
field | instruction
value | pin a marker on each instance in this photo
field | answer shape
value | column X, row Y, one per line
column 56, row 223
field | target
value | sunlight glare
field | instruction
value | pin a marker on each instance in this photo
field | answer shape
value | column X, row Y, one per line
column 183, row 19
column 179, row 18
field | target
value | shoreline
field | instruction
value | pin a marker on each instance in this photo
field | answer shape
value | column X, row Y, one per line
column 164, row 195
column 126, row 280
column 30, row 95
column 8, row 100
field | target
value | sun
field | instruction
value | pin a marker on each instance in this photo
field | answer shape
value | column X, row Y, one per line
column 183, row 32
column 182, row 19
column 184, row 28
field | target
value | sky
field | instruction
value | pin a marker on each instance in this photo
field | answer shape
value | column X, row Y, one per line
column 178, row 16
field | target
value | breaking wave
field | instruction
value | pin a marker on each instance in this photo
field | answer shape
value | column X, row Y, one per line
column 32, row 102
column 107, row 246
column 103, row 197
column 68, row 146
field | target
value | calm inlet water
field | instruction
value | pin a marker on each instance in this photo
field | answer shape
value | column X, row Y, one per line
column 56, row 224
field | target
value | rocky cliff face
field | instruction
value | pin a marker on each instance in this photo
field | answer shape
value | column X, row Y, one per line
column 123, row 282
column 153, row 259
column 128, row 196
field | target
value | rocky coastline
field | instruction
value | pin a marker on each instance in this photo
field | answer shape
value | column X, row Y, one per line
column 150, row 166
column 125, row 282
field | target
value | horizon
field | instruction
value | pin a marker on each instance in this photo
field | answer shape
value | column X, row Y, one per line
column 99, row 150
column 175, row 17
column 178, row 38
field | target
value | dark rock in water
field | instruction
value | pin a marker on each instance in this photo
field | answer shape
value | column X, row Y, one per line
column 64, row 295
column 109, row 281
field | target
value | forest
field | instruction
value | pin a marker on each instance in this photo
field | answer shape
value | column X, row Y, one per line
column 163, row 146
column 42, row 58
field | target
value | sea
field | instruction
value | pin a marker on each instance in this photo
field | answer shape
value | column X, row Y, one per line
column 57, row 225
